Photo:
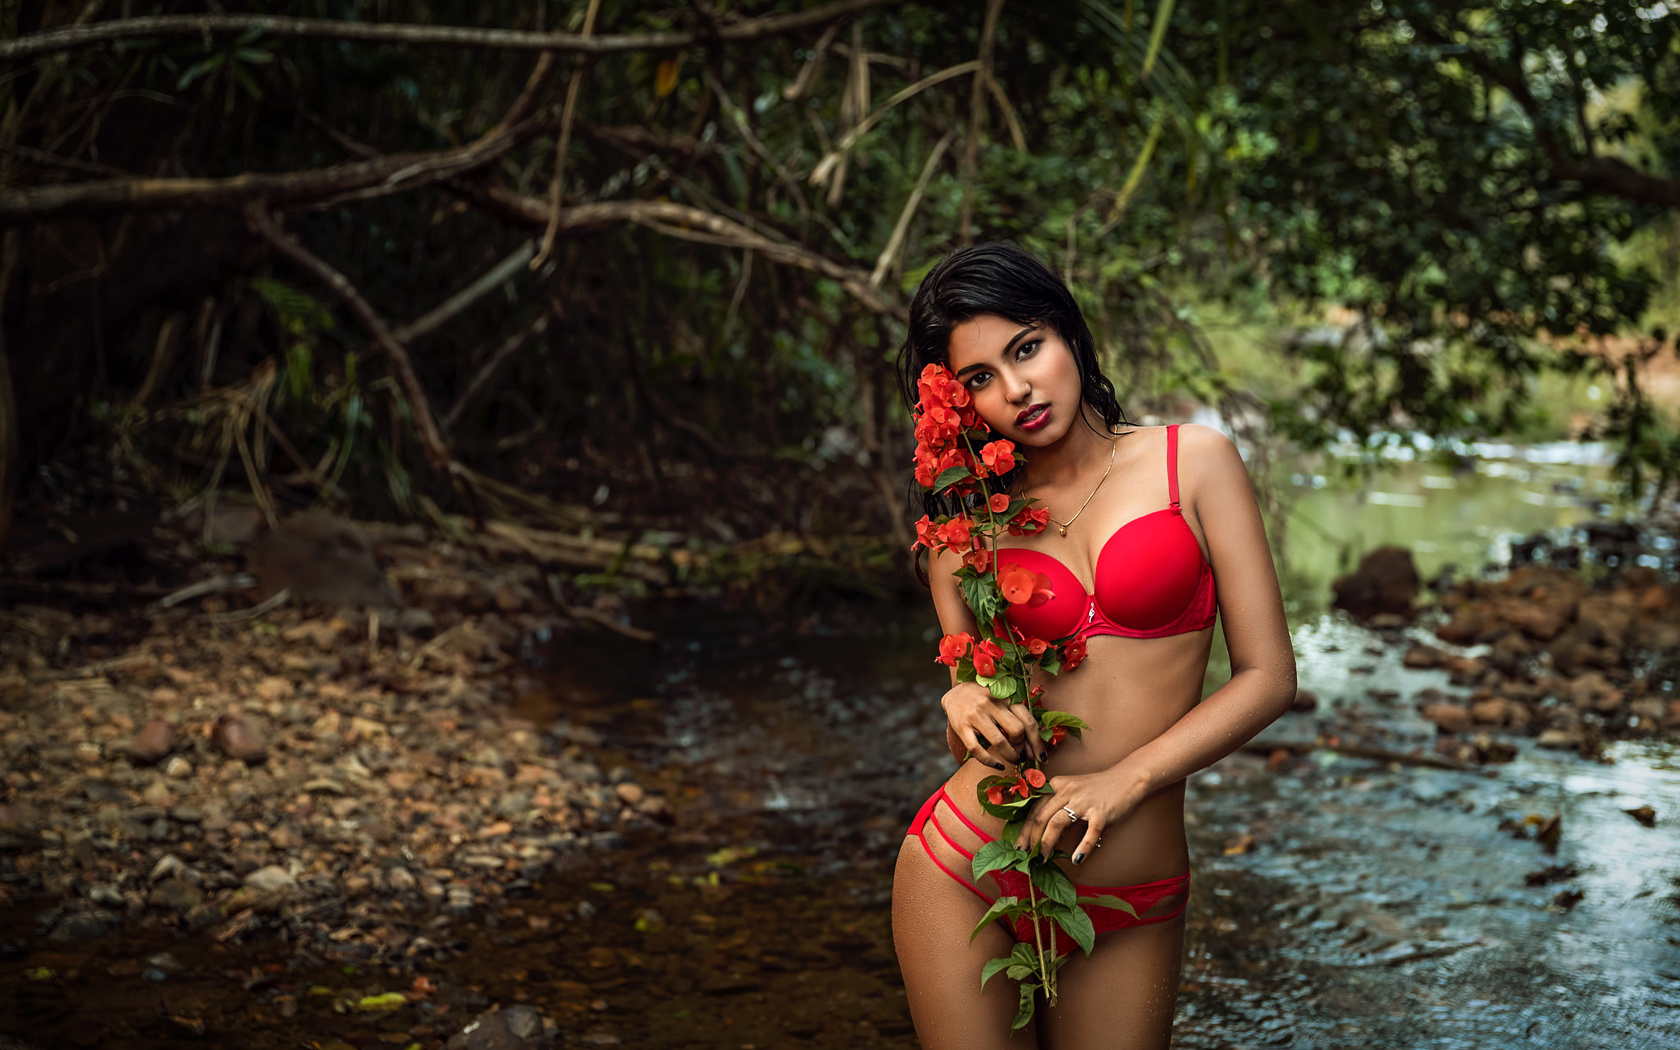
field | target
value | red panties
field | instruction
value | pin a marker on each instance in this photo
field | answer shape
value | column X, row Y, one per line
column 1141, row 897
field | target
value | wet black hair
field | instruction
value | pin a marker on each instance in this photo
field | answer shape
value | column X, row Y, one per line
column 1003, row 279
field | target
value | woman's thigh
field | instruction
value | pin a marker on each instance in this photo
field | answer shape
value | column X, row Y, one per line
column 1122, row 996
column 932, row 916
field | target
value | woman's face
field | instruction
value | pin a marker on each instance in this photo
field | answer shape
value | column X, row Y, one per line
column 1023, row 378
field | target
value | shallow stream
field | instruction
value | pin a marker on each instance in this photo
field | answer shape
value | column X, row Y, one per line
column 1337, row 901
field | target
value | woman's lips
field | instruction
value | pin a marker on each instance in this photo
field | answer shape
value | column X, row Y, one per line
column 1033, row 418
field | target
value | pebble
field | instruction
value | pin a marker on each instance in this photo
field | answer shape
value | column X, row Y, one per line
column 270, row 879
column 168, row 865
column 177, row 767
column 400, row 879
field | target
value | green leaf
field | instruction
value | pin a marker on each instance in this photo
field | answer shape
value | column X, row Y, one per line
column 1109, row 900
column 994, row 966
column 1001, row 687
column 1076, row 924
column 1002, row 908
column 1054, row 884
column 1024, row 1014
column 998, row 856
column 950, row 477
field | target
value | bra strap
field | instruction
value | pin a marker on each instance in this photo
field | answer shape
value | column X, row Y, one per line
column 1172, row 463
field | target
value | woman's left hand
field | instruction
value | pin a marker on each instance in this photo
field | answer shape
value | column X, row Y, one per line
column 1099, row 800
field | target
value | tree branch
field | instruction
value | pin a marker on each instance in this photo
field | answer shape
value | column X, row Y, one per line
column 262, row 223
column 508, row 348
column 1596, row 174
column 678, row 220
column 74, row 37
column 376, row 177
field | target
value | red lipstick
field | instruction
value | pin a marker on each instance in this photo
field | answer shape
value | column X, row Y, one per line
column 1034, row 417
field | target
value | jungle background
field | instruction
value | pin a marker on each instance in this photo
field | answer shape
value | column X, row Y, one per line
column 588, row 313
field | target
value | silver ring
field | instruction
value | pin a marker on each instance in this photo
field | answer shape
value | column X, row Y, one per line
column 1071, row 814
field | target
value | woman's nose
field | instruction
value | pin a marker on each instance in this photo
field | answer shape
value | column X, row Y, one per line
column 1018, row 389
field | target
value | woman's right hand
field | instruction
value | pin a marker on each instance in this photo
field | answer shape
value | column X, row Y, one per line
column 993, row 731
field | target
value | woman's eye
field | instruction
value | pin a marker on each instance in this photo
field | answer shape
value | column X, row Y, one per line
column 977, row 380
column 1026, row 349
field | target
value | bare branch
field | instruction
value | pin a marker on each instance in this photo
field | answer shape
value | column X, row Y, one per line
column 564, row 141
column 262, row 223
column 682, row 221
column 380, row 176
column 493, row 278
column 404, row 33
column 509, row 347
column 976, row 116
column 896, row 241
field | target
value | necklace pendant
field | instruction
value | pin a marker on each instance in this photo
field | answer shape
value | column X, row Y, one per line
column 1062, row 529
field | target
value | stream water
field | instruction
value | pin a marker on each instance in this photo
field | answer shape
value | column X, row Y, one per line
column 1337, row 901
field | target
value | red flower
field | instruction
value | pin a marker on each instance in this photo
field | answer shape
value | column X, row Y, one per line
column 1035, row 777
column 999, row 456
column 925, row 477
column 927, row 533
column 1056, row 734
column 986, row 655
column 979, row 559
column 953, row 647
column 994, row 794
column 998, row 503
column 1073, row 654
column 1021, row 787
column 1034, row 694
column 1031, row 520
column 1021, row 587
column 1036, row 646
column 955, row 532
column 937, row 386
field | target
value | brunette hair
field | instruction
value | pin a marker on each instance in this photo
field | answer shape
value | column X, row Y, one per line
column 1003, row 279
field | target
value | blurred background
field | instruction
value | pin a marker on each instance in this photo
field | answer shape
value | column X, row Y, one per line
column 454, row 501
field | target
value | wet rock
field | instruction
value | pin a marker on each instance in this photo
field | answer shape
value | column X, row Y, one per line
column 510, row 1028
column 1423, row 656
column 1448, row 718
column 80, row 926
column 630, row 792
column 1644, row 814
column 1386, row 581
column 1561, row 739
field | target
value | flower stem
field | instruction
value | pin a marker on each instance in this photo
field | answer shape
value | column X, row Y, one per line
column 1047, row 978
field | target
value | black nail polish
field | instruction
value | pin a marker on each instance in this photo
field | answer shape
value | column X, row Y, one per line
column 1077, row 857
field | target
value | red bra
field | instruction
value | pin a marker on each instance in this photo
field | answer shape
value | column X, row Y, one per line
column 1151, row 579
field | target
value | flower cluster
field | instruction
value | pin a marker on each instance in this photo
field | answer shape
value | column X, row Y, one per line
column 955, row 456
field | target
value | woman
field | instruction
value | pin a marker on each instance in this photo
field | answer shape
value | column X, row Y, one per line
column 1163, row 522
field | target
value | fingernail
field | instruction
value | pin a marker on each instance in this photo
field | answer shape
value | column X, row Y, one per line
column 997, row 765
column 1077, row 857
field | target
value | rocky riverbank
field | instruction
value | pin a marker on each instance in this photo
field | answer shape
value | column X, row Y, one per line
column 336, row 778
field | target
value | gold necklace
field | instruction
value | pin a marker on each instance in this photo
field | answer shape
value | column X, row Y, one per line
column 1063, row 525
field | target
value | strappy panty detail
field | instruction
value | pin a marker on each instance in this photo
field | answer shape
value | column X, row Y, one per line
column 1143, row 897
